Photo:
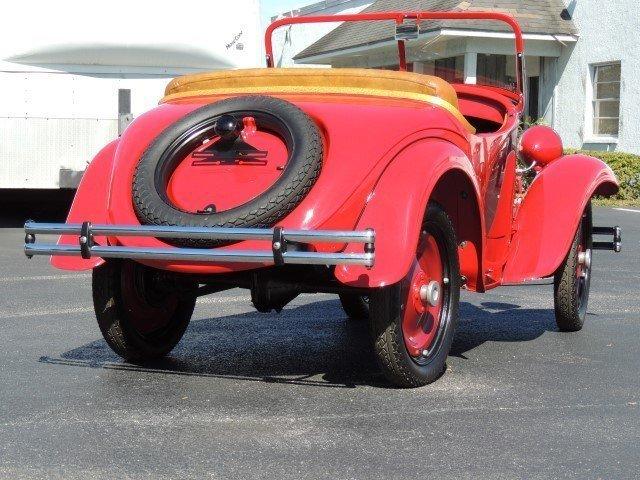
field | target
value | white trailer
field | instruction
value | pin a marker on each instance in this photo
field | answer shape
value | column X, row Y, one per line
column 73, row 73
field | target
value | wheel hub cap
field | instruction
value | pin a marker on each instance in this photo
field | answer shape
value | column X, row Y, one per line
column 421, row 317
column 430, row 293
column 584, row 258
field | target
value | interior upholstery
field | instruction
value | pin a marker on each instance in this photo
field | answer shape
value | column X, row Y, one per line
column 347, row 81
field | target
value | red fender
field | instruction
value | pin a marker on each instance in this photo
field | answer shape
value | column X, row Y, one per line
column 90, row 204
column 549, row 214
column 396, row 207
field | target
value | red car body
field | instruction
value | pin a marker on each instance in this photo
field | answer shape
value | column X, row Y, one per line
column 385, row 160
column 505, row 243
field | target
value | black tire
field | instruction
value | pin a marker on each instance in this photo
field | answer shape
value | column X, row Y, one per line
column 355, row 306
column 119, row 317
column 298, row 131
column 387, row 306
column 573, row 279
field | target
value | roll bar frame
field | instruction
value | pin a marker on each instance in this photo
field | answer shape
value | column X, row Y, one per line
column 400, row 18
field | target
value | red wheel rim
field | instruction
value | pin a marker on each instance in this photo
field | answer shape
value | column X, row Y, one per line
column 148, row 310
column 583, row 265
column 422, row 323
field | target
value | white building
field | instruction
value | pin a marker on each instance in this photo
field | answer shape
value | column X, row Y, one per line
column 71, row 71
column 291, row 40
column 583, row 58
column 598, row 94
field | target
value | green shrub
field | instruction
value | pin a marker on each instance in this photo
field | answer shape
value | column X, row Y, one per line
column 626, row 167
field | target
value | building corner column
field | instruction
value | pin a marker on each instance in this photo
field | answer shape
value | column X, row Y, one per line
column 470, row 67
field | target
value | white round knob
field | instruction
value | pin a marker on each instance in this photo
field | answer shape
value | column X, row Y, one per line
column 430, row 293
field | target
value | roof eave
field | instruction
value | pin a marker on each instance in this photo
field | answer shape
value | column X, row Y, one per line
column 322, row 57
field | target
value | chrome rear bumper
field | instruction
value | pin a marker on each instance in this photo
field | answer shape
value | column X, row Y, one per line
column 279, row 254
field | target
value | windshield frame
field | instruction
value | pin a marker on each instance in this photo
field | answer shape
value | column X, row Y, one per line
column 417, row 17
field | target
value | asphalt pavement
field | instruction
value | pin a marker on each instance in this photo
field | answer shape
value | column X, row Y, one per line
column 297, row 395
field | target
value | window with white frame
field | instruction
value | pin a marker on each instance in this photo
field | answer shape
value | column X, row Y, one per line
column 606, row 99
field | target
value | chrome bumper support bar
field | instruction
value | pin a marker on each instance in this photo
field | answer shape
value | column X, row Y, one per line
column 279, row 237
column 616, row 237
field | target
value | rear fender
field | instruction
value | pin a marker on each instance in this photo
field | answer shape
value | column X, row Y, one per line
column 549, row 214
column 89, row 204
column 396, row 207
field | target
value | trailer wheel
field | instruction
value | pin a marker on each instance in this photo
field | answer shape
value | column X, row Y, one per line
column 138, row 318
column 413, row 321
column 355, row 306
column 573, row 279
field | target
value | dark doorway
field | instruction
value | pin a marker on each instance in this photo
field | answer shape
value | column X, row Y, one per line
column 532, row 102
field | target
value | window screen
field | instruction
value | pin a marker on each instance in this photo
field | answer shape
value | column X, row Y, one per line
column 606, row 99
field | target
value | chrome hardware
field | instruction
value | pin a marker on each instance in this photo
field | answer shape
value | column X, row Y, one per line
column 520, row 171
column 430, row 293
column 89, row 232
column 615, row 232
column 407, row 31
column 584, row 258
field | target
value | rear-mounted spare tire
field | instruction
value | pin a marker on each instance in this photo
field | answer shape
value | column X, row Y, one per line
column 153, row 203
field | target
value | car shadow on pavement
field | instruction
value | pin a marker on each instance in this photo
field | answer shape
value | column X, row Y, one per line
column 312, row 344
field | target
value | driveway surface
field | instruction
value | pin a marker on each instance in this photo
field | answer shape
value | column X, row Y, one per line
column 297, row 395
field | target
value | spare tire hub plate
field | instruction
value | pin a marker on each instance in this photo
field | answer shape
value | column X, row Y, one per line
column 231, row 178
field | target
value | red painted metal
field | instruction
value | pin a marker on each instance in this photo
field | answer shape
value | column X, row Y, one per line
column 195, row 184
column 550, row 212
column 540, row 144
column 358, row 191
column 336, row 201
column 500, row 232
column 398, row 191
column 420, row 320
column 89, row 204
column 379, row 173
column 487, row 103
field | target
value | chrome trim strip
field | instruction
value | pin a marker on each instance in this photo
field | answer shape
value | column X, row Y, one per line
column 202, row 233
column 52, row 228
column 86, row 248
column 204, row 255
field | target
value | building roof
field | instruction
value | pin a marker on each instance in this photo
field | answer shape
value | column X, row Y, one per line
column 312, row 8
column 540, row 17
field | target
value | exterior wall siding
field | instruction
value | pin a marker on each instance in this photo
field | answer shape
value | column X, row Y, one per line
column 608, row 33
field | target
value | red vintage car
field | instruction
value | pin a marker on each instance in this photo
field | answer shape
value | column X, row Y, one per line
column 392, row 189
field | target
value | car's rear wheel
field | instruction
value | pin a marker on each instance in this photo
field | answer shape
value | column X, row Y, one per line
column 413, row 321
column 355, row 306
column 573, row 279
column 139, row 317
